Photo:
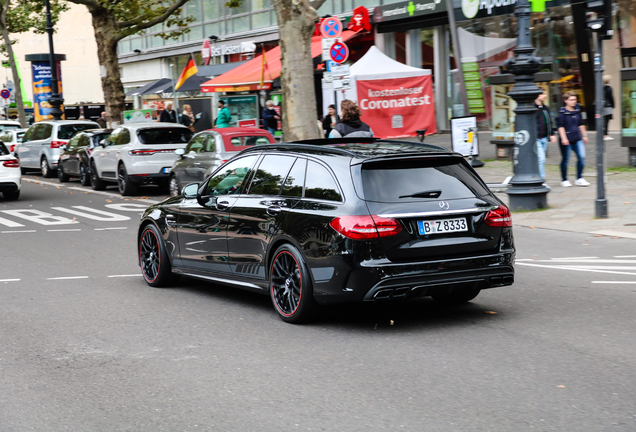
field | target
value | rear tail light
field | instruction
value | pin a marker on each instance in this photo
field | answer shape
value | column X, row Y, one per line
column 57, row 144
column 13, row 163
column 499, row 217
column 149, row 152
column 11, row 148
column 365, row 227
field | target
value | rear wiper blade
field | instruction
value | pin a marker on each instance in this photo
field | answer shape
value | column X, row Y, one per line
column 424, row 194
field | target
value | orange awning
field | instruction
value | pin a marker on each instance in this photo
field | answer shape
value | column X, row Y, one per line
column 248, row 75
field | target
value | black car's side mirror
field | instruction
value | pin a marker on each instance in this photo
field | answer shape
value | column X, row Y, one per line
column 191, row 191
column 205, row 200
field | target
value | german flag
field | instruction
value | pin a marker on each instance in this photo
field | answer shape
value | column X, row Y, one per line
column 189, row 70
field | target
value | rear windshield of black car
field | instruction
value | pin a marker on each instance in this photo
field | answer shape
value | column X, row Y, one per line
column 67, row 131
column 387, row 181
column 164, row 136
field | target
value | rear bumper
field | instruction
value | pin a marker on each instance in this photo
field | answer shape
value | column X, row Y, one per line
column 148, row 178
column 9, row 186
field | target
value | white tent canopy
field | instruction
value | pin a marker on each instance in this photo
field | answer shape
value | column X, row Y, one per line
column 479, row 47
column 374, row 65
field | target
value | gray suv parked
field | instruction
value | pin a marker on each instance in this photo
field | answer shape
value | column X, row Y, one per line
column 40, row 146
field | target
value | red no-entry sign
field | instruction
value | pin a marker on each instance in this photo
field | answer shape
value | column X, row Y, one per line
column 339, row 52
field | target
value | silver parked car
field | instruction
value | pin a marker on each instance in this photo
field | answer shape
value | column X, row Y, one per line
column 11, row 138
column 40, row 146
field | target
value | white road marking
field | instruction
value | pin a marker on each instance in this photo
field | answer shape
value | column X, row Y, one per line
column 9, row 280
column 23, row 231
column 113, row 228
column 40, row 217
column 105, row 216
column 132, row 207
column 9, row 223
column 68, row 277
column 118, row 276
column 65, row 230
column 574, row 258
column 624, row 256
column 42, row 182
column 614, row 282
column 615, row 234
column 586, row 261
column 573, row 268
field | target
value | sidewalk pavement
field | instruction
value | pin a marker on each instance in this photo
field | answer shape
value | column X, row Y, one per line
column 574, row 208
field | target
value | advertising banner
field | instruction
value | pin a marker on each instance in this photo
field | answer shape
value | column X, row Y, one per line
column 398, row 107
column 42, row 75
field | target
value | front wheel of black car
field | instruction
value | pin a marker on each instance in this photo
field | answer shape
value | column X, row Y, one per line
column 291, row 287
column 96, row 183
column 153, row 258
column 456, row 298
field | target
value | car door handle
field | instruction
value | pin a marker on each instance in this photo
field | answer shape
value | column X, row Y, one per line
column 273, row 210
column 222, row 205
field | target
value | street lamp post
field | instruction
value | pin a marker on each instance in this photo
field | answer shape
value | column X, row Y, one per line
column 55, row 100
column 526, row 190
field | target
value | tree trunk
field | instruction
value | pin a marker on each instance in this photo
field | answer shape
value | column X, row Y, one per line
column 296, row 23
column 17, row 84
column 107, row 38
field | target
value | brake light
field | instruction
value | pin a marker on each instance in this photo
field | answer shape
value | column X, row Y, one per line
column 57, row 144
column 365, row 227
column 11, row 148
column 12, row 163
column 149, row 152
column 499, row 217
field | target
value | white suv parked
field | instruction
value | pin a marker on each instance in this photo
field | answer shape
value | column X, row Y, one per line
column 40, row 146
column 136, row 154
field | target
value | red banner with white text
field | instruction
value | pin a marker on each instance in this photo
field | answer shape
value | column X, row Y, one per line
column 398, row 107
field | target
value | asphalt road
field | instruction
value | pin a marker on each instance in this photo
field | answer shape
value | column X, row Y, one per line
column 86, row 345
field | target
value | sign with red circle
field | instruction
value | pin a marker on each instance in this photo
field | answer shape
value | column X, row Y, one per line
column 331, row 27
column 5, row 93
column 206, row 52
column 339, row 52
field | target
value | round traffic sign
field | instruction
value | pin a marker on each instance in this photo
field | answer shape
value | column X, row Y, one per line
column 339, row 52
column 331, row 27
column 5, row 93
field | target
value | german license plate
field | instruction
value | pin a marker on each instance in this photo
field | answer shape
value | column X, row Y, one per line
column 442, row 226
column 167, row 170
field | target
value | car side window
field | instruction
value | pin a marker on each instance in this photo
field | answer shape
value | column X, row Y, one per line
column 6, row 137
column 124, row 137
column 210, row 146
column 28, row 136
column 255, row 140
column 196, row 144
column 74, row 142
column 293, row 185
column 320, row 184
column 229, row 179
column 272, row 171
column 36, row 132
column 114, row 137
column 45, row 131
column 84, row 141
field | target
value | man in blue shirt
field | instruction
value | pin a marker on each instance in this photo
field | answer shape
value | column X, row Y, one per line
column 573, row 137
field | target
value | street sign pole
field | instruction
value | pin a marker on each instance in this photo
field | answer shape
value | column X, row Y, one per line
column 601, row 200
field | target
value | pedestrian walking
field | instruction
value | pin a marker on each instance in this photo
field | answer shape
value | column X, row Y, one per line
column 573, row 137
column 187, row 118
column 168, row 115
column 608, row 106
column 102, row 121
column 270, row 117
column 224, row 117
column 545, row 132
column 351, row 126
column 331, row 120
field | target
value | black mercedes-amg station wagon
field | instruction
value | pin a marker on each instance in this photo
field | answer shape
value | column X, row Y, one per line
column 325, row 221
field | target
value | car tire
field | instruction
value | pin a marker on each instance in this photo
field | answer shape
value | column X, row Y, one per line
column 456, row 298
column 291, row 287
column 173, row 186
column 47, row 172
column 23, row 170
column 96, row 183
column 153, row 258
column 126, row 187
column 11, row 196
column 63, row 178
column 85, row 175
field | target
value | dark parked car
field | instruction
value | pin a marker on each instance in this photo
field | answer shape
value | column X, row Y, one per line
column 75, row 157
column 331, row 221
column 209, row 149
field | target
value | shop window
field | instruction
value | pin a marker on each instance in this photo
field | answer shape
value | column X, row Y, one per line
column 193, row 9
column 211, row 29
column 195, row 33
column 260, row 4
column 241, row 24
column 210, row 10
column 243, row 7
column 400, row 47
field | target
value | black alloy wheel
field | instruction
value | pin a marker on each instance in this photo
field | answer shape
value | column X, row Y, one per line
column 173, row 186
column 290, row 286
column 60, row 174
column 96, row 183
column 85, row 178
column 155, row 265
column 126, row 187
column 47, row 172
